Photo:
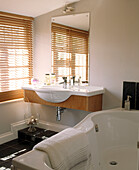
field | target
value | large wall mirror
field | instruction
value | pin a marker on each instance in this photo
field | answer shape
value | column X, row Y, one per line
column 70, row 41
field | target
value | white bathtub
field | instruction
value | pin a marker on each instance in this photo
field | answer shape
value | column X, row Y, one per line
column 115, row 142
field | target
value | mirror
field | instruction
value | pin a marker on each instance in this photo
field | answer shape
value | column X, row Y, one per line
column 70, row 39
column 79, row 21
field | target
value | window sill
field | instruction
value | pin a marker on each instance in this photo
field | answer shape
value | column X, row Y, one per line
column 12, row 101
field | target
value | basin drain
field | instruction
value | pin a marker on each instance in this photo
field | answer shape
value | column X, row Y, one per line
column 113, row 163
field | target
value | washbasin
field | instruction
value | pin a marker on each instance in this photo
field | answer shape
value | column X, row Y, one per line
column 57, row 94
column 54, row 94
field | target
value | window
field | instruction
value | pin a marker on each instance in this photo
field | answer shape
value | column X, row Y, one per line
column 69, row 52
column 15, row 55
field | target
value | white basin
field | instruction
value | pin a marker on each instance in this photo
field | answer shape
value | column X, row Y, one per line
column 54, row 94
column 57, row 94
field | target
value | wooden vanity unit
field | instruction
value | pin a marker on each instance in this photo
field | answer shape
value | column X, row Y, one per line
column 86, row 103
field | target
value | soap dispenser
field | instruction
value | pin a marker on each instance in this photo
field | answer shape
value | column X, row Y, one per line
column 127, row 103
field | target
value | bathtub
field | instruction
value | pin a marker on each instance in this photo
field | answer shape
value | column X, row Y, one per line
column 113, row 136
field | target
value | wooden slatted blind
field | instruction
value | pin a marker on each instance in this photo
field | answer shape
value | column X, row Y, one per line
column 15, row 54
column 69, row 52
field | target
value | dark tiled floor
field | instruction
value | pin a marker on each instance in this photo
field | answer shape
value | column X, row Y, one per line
column 12, row 149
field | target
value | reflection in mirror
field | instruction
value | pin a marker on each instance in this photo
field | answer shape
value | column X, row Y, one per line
column 70, row 37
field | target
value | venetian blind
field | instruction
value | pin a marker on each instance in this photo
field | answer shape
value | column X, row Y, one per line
column 15, row 54
column 69, row 52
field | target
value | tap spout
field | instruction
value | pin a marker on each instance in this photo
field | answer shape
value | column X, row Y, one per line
column 65, row 82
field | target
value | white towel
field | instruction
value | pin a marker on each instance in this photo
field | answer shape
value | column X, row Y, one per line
column 67, row 150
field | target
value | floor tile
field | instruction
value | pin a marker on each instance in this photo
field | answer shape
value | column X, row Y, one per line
column 12, row 149
column 25, row 144
column 12, row 143
column 6, row 164
column 7, row 154
column 3, row 146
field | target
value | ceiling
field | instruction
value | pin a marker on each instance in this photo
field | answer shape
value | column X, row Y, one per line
column 32, row 8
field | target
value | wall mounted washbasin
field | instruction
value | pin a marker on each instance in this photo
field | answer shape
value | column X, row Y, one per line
column 57, row 94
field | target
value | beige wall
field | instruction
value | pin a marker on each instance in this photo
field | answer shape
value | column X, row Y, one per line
column 114, row 44
column 114, row 47
column 10, row 112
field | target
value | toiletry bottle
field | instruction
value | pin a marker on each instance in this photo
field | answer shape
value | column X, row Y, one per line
column 127, row 103
column 47, row 79
column 53, row 78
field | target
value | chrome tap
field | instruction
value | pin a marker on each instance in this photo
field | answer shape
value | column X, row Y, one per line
column 65, row 82
column 73, row 80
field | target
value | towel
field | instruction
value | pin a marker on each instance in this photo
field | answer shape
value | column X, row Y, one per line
column 67, row 150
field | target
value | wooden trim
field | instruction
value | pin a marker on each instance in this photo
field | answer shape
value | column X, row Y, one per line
column 6, row 14
column 10, row 95
column 93, row 103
